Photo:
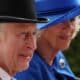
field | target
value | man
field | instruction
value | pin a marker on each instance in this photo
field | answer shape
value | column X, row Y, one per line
column 55, row 37
column 17, row 36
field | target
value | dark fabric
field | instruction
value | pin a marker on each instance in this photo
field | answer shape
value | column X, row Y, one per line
column 18, row 10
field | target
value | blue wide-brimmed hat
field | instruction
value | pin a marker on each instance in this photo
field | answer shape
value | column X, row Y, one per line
column 57, row 11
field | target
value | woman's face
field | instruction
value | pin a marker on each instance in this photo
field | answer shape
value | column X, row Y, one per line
column 61, row 35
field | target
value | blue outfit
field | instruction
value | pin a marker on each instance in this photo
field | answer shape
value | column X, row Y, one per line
column 40, row 70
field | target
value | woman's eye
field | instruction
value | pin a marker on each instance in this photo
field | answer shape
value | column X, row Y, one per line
column 73, row 19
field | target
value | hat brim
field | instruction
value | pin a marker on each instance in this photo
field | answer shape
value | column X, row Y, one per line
column 55, row 19
column 23, row 20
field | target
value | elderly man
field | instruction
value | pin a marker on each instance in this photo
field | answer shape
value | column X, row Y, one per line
column 48, row 62
column 17, row 36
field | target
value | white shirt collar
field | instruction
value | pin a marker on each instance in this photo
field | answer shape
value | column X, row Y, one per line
column 4, row 75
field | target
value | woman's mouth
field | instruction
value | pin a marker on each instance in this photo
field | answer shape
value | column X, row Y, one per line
column 64, row 38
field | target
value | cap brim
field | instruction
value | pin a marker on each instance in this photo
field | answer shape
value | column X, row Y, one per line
column 23, row 20
column 55, row 19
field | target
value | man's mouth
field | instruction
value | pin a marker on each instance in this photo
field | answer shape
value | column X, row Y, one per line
column 29, row 48
column 25, row 57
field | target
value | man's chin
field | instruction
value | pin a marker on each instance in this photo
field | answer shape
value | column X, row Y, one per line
column 22, row 68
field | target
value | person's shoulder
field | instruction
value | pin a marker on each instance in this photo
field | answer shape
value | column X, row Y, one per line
column 24, row 75
column 35, row 64
column 36, row 59
column 59, row 58
column 61, row 66
column 60, row 54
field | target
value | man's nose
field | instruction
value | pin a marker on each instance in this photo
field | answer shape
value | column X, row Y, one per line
column 31, row 40
column 29, row 36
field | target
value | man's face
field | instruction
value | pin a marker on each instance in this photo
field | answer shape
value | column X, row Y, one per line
column 17, row 44
column 60, row 35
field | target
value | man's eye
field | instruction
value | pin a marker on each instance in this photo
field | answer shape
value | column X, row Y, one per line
column 20, row 35
column 34, row 33
column 23, row 35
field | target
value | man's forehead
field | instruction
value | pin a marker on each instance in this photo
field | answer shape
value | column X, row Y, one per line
column 22, row 26
column 17, row 26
